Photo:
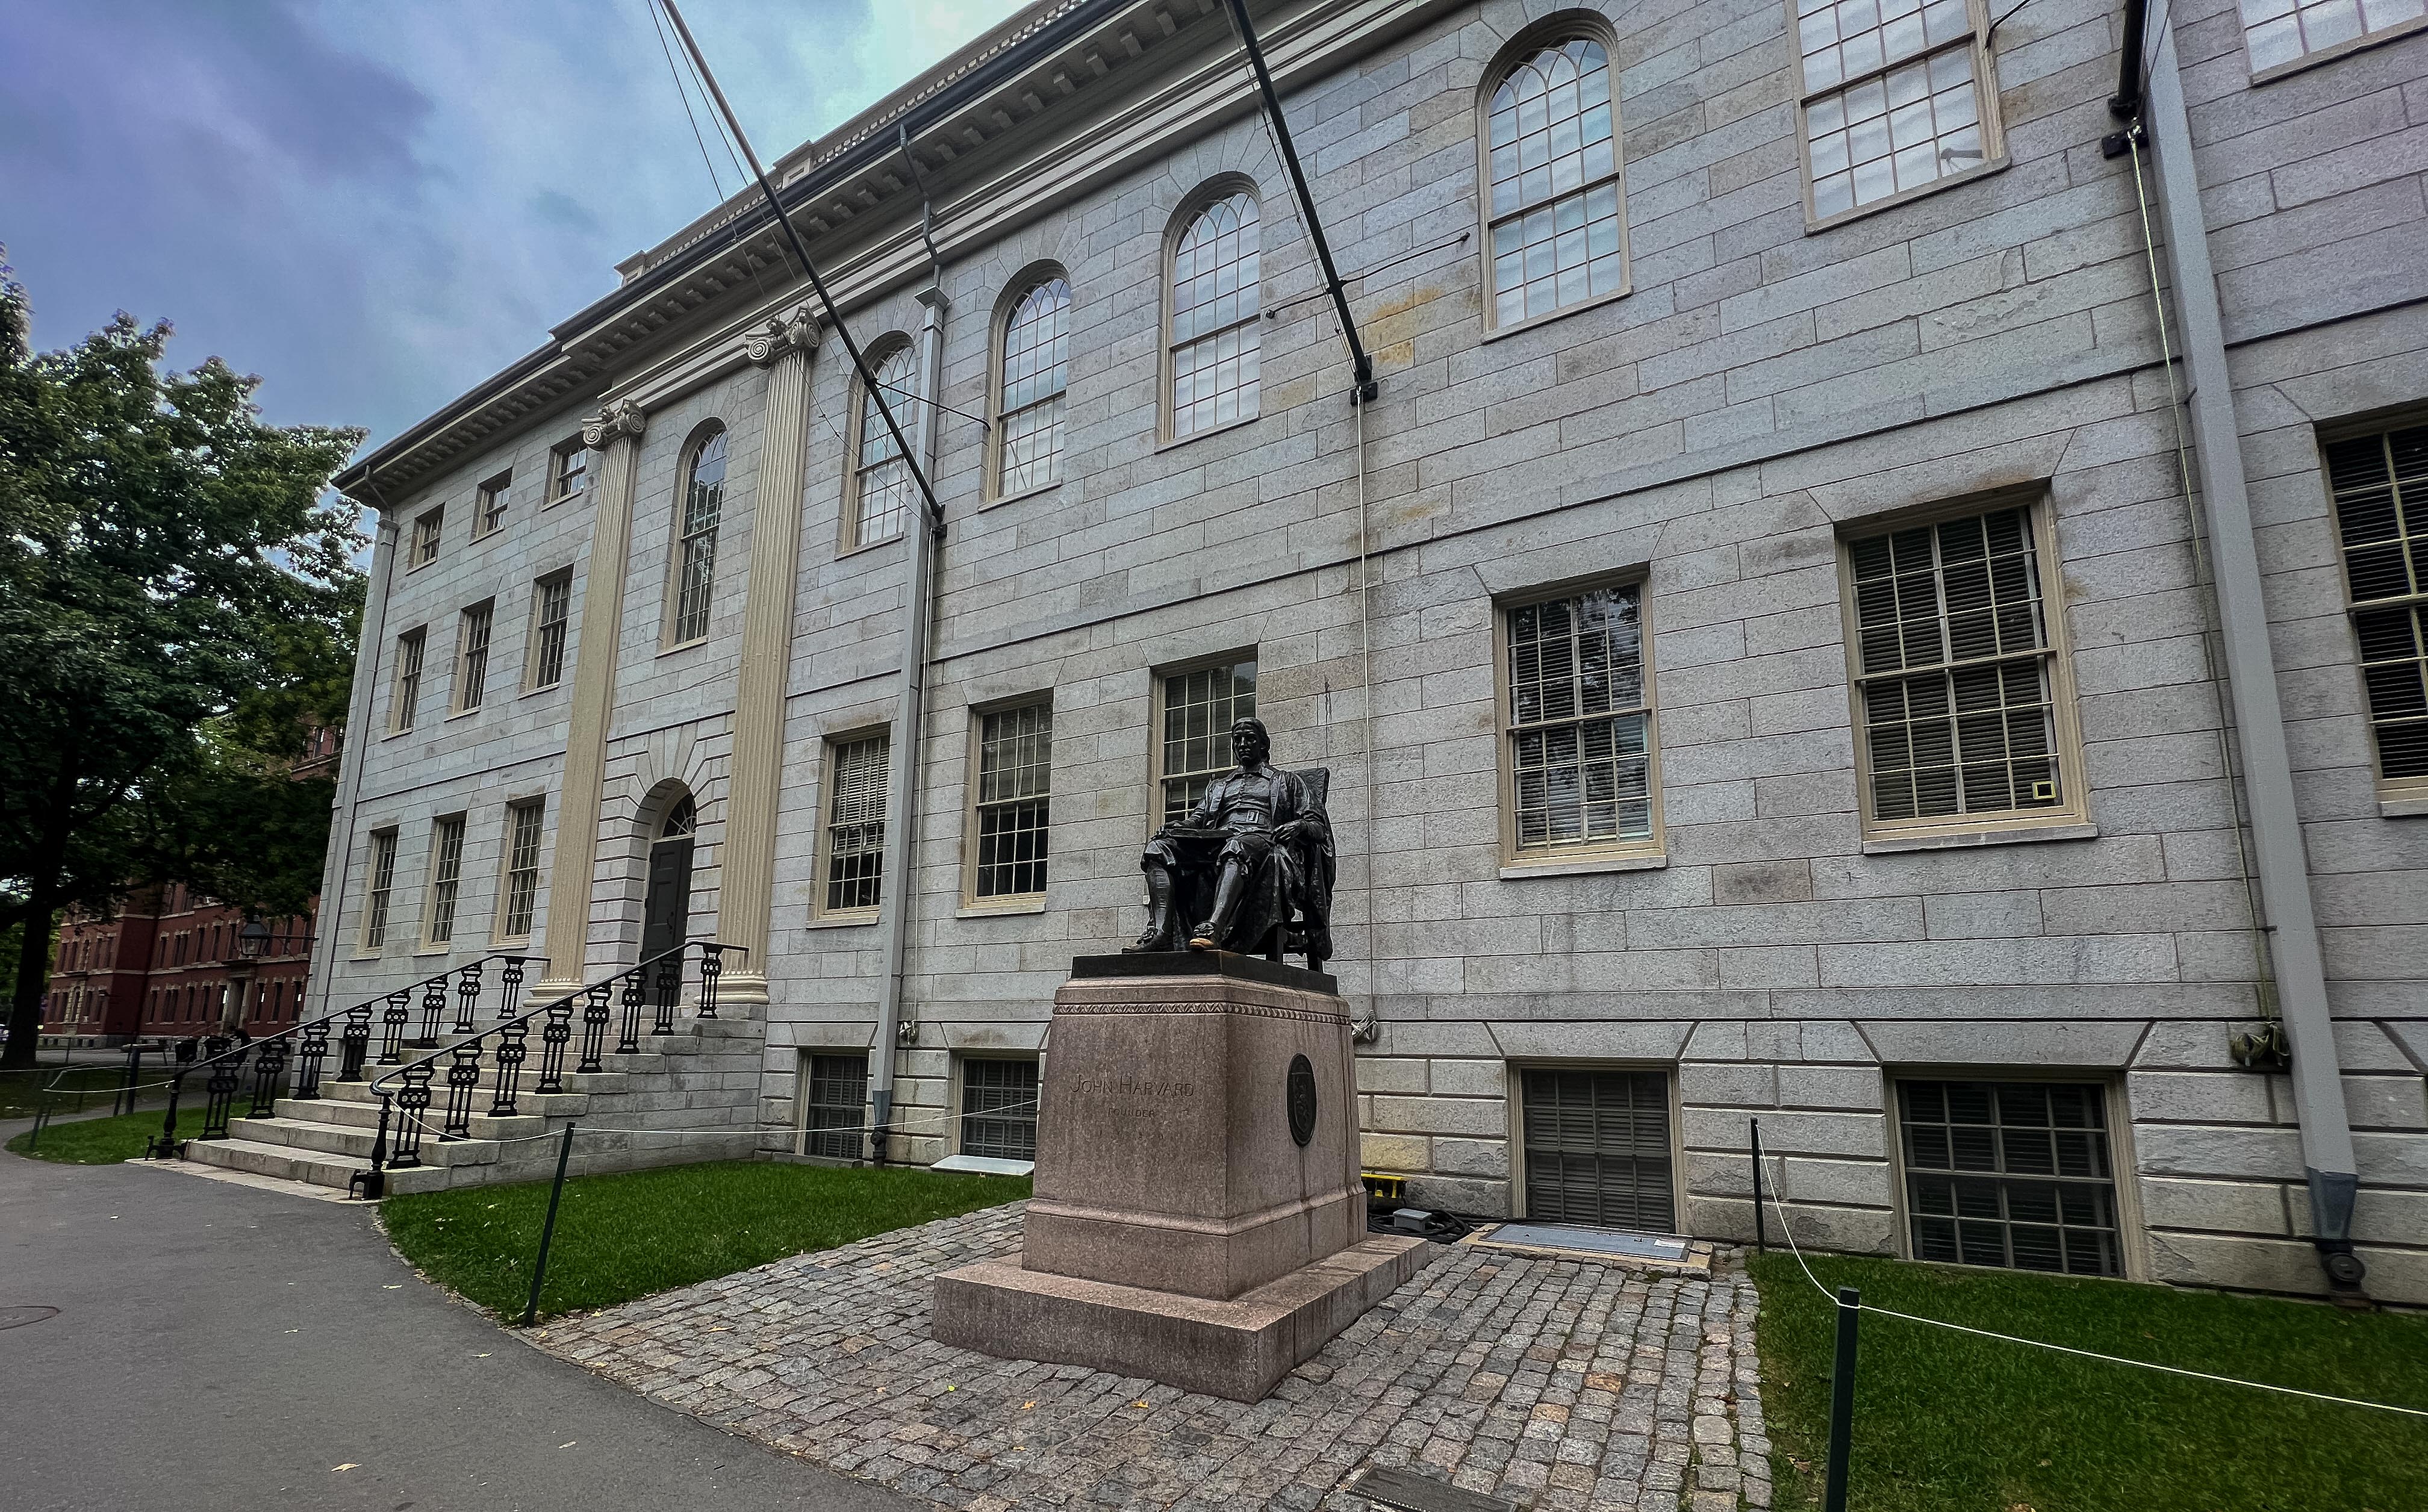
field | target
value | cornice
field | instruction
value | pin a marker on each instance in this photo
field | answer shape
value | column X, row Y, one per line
column 997, row 179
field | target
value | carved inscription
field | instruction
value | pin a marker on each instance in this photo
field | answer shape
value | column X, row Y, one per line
column 1129, row 1085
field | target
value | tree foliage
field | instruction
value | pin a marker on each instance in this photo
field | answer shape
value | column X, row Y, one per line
column 178, row 608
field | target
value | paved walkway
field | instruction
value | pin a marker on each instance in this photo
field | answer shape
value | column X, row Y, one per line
column 1559, row 1386
column 218, row 1346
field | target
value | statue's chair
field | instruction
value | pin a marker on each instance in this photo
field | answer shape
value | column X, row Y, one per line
column 1308, row 931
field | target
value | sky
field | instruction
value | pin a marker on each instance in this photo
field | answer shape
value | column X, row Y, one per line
column 376, row 204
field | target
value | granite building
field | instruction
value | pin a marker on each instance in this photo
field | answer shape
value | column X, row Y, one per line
column 1877, row 591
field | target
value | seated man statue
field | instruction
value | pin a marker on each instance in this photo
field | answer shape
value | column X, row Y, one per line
column 1255, row 849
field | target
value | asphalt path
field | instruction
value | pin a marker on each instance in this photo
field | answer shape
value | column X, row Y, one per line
column 219, row 1347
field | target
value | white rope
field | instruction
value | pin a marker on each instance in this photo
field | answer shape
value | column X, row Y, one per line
column 2062, row 1349
column 704, row 1133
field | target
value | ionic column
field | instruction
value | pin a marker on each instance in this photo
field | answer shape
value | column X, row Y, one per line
column 615, row 433
column 746, row 887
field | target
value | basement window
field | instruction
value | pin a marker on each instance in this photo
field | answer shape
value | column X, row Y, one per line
column 999, row 1109
column 2013, row 1175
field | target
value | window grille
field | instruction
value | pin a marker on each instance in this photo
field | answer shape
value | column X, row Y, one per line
column 999, row 1109
column 568, row 466
column 1214, row 309
column 2381, row 493
column 426, row 529
column 1954, row 668
column 1199, row 707
column 2285, row 31
column 1891, row 98
column 1014, row 788
column 1035, row 360
column 446, row 874
column 522, row 867
column 407, row 689
column 472, row 656
column 2010, row 1174
column 1556, row 225
column 1597, row 1148
column 856, row 825
column 835, row 1117
column 375, row 897
column 493, row 502
column 881, row 487
column 703, row 502
column 551, row 605
column 1580, row 726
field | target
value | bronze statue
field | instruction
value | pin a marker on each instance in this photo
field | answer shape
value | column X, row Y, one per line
column 1251, row 867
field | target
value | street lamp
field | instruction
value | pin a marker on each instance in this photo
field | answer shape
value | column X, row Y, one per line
column 249, row 942
column 253, row 939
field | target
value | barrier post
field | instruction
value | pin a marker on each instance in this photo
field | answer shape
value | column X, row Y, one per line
column 1842, row 1401
column 1760, row 1246
column 547, row 1229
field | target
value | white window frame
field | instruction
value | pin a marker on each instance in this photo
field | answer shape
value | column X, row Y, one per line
column 2367, row 37
column 1159, row 777
column 379, row 890
column 1650, row 848
column 405, row 678
column 537, row 655
column 978, row 805
column 475, row 630
column 1250, row 326
column 829, row 794
column 691, row 566
column 519, row 881
column 429, row 534
column 489, row 504
column 562, row 470
column 2413, row 545
column 998, row 482
column 868, row 429
column 1985, row 86
column 1529, row 46
column 443, row 897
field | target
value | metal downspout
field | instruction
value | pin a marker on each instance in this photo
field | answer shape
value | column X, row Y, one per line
column 902, row 796
column 324, row 968
column 2327, row 1158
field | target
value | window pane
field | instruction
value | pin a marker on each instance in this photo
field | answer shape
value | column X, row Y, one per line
column 2029, row 1196
column 1014, row 781
column 885, row 489
column 1919, row 122
column 696, row 568
column 1579, row 729
column 856, row 824
column 1214, row 308
column 1036, row 359
column 1198, row 709
column 999, row 1109
column 2380, row 482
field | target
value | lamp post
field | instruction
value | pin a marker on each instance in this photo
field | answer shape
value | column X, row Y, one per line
column 250, row 943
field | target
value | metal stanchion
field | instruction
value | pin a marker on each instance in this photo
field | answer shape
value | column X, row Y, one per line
column 547, row 1229
column 1842, row 1401
column 1760, row 1244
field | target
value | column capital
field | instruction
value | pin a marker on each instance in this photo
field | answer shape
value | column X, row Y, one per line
column 800, row 332
column 622, row 418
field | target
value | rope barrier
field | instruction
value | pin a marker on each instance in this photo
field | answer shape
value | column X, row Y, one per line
column 940, row 1121
column 1802, row 1264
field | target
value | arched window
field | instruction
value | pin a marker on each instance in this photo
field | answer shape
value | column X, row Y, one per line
column 1214, row 310
column 1036, row 355
column 703, row 502
column 1556, row 234
column 881, row 487
column 682, row 820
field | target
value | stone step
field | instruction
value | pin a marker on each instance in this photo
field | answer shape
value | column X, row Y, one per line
column 366, row 1115
column 544, row 1104
column 320, row 1168
column 333, row 1139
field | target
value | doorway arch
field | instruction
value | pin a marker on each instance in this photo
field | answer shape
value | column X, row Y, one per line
column 666, row 899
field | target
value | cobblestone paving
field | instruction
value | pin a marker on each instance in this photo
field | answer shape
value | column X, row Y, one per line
column 1558, row 1386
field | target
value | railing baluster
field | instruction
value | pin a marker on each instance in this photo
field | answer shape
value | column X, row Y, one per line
column 411, row 1100
column 510, row 988
column 269, row 1065
column 433, row 1003
column 462, row 1074
column 467, row 998
column 220, row 1091
column 554, row 1038
column 165, row 1146
column 393, row 1021
column 355, row 1042
column 512, row 1047
column 711, row 965
column 595, row 1017
column 669, row 990
column 631, row 1043
column 314, row 1050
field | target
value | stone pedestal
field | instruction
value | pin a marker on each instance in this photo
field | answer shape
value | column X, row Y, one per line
column 1198, row 1218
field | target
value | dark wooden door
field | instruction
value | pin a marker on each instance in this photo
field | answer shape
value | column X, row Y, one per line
column 1597, row 1149
column 665, row 911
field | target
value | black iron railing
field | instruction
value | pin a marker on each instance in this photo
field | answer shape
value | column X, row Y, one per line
column 491, row 1062
column 229, row 1061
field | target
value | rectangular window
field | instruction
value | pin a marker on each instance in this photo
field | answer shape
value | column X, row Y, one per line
column 1197, row 709
column 568, row 470
column 551, row 605
column 407, row 691
column 2010, row 1174
column 1597, row 1148
column 426, row 530
column 1013, row 803
column 835, row 1113
column 472, row 656
column 2381, row 499
column 1956, row 676
column 382, row 880
column 446, row 874
column 1892, row 97
column 2285, row 31
column 492, row 510
column 523, row 868
column 1579, row 725
column 855, row 828
column 999, row 1109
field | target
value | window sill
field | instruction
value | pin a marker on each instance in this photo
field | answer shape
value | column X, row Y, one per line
column 461, row 714
column 361, row 956
column 544, row 687
column 2405, row 807
column 433, row 950
column 398, row 734
column 692, row 644
column 412, row 567
column 843, row 921
column 871, row 546
column 1024, row 493
column 1170, row 442
column 1535, row 323
column 2019, row 835
column 2328, row 55
column 1813, row 228
column 997, row 907
column 1647, row 862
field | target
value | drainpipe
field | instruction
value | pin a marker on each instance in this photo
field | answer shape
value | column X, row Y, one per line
column 350, row 763
column 902, row 794
column 2327, row 1159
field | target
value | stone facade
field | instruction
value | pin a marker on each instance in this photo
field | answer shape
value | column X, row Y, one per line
column 1760, row 391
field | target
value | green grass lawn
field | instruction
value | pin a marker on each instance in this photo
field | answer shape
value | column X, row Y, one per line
column 1948, row 1423
column 80, row 1087
column 625, row 1235
column 103, row 1140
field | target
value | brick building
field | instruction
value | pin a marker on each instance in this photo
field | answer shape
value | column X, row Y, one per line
column 1820, row 661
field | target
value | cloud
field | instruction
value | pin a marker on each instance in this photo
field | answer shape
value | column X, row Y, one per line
column 376, row 207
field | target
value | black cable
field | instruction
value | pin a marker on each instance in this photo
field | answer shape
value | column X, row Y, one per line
column 685, row 95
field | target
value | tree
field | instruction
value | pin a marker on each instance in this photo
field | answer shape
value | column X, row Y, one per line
column 178, row 607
